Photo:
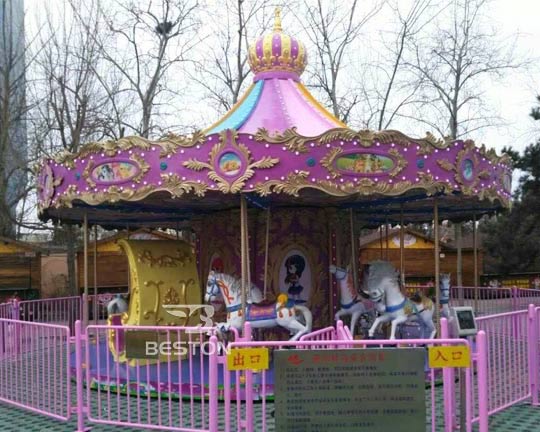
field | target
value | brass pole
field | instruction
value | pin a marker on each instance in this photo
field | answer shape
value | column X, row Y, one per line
column 331, row 258
column 380, row 241
column 437, row 291
column 85, row 271
column 386, row 233
column 95, row 304
column 475, row 259
column 266, row 250
column 402, row 248
column 244, row 252
column 354, row 259
column 459, row 270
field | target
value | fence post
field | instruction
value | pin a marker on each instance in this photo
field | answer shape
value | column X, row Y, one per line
column 16, row 310
column 482, row 376
column 448, row 386
column 213, row 386
column 532, row 346
column 79, row 373
column 16, row 315
column 249, row 384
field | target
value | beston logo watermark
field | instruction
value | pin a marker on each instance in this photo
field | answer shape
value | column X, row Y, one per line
column 182, row 348
column 187, row 347
column 187, row 311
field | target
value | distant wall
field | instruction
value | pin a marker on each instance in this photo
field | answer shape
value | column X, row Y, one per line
column 420, row 263
column 54, row 275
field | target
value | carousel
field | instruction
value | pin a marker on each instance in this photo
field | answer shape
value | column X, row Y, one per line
column 275, row 193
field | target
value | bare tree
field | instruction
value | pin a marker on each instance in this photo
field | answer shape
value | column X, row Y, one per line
column 452, row 64
column 75, row 107
column 146, row 43
column 399, row 89
column 332, row 28
column 223, row 70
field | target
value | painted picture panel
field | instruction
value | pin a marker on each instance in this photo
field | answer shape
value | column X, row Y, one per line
column 113, row 172
column 365, row 163
column 295, row 276
column 230, row 164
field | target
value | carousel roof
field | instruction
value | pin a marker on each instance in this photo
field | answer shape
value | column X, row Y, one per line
column 277, row 100
column 279, row 147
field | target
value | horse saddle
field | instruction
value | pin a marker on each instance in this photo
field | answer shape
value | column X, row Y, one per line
column 257, row 313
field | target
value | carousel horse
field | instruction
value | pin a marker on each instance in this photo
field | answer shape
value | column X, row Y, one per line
column 350, row 302
column 383, row 290
column 282, row 313
column 117, row 306
column 444, row 286
column 254, row 296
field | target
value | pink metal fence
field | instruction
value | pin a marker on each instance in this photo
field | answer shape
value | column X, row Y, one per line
column 34, row 371
column 510, row 336
column 174, row 391
column 489, row 301
column 327, row 333
column 6, row 310
column 61, row 310
column 244, row 418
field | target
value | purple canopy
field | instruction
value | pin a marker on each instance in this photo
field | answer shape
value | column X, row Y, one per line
column 280, row 147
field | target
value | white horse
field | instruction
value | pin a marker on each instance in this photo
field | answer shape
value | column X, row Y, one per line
column 254, row 296
column 117, row 306
column 444, row 286
column 383, row 290
column 282, row 313
column 349, row 301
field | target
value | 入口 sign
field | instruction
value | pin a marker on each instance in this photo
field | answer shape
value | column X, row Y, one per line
column 456, row 356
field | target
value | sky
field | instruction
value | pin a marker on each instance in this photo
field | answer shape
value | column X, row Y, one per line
column 512, row 97
column 516, row 97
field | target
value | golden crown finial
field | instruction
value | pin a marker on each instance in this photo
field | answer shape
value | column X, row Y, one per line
column 277, row 20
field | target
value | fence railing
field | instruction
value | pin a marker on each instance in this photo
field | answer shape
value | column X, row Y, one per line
column 179, row 389
column 34, row 372
column 244, row 414
column 61, row 310
column 7, row 310
column 327, row 333
column 509, row 339
column 151, row 377
column 490, row 301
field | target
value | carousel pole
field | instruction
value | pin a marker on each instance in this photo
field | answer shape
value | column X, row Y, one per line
column 244, row 253
column 354, row 259
column 380, row 241
column 85, row 272
column 266, row 250
column 386, row 234
column 401, row 249
column 95, row 303
column 437, row 291
column 459, row 270
column 475, row 259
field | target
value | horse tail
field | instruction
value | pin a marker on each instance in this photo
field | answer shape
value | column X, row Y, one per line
column 307, row 316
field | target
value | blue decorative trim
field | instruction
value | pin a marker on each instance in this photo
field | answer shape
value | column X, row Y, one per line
column 234, row 308
column 443, row 302
column 397, row 307
column 242, row 112
column 350, row 305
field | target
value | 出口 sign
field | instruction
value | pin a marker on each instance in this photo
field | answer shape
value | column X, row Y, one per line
column 353, row 390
